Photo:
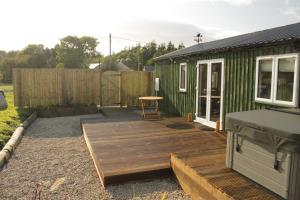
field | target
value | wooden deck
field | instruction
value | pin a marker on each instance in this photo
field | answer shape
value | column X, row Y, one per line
column 203, row 175
column 124, row 148
column 130, row 148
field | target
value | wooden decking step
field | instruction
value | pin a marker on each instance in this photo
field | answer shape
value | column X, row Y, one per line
column 128, row 148
column 124, row 150
column 204, row 176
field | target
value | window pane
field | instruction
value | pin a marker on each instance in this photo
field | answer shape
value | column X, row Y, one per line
column 182, row 76
column 202, row 90
column 285, row 79
column 216, row 72
column 264, row 79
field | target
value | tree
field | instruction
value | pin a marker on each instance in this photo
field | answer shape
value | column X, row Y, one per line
column 36, row 55
column 51, row 57
column 2, row 54
column 89, row 45
column 170, row 47
column 8, row 63
column 148, row 52
column 73, row 52
column 181, row 46
column 139, row 56
column 32, row 56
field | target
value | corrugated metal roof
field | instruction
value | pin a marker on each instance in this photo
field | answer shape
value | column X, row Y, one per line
column 277, row 34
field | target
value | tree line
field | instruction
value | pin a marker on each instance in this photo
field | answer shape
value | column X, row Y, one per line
column 139, row 56
column 79, row 52
column 70, row 52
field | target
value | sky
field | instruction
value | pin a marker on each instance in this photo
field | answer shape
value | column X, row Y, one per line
column 47, row 21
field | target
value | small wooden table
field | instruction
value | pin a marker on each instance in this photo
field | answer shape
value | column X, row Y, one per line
column 156, row 111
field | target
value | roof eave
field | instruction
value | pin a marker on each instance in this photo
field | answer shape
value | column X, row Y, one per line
column 226, row 49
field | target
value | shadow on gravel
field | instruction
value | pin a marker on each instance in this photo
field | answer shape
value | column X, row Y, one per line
column 151, row 189
column 58, row 127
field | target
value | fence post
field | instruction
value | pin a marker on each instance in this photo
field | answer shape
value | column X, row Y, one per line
column 120, row 89
column 16, row 87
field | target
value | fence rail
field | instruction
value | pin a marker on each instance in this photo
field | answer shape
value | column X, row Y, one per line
column 46, row 87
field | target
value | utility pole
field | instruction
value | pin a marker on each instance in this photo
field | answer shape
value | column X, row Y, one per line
column 109, row 44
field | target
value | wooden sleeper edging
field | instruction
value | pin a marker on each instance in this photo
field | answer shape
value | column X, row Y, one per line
column 15, row 139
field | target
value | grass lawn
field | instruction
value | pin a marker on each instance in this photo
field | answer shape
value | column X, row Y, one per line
column 11, row 117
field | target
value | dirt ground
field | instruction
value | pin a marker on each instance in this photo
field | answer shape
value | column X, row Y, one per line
column 52, row 162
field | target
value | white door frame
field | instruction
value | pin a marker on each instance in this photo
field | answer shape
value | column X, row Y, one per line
column 205, row 121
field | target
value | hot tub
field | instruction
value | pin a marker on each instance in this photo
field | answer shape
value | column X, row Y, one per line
column 264, row 145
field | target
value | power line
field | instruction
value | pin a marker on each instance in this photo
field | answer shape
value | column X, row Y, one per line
column 102, row 37
column 128, row 39
column 119, row 38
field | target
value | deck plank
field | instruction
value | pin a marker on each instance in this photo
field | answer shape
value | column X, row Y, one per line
column 122, row 147
column 128, row 149
column 204, row 175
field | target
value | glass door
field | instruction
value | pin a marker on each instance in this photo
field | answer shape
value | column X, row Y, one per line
column 202, row 91
column 209, row 92
column 215, row 92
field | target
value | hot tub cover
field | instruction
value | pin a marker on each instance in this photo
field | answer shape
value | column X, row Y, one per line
column 279, row 128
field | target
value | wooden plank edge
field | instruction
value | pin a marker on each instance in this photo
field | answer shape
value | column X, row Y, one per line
column 195, row 185
column 138, row 176
column 99, row 171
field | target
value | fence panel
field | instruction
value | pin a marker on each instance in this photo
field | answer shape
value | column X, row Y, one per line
column 135, row 84
column 110, row 87
column 46, row 87
column 81, row 87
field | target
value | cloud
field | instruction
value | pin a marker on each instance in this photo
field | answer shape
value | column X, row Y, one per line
column 214, row 33
column 161, row 32
column 291, row 10
column 170, row 2
column 234, row 2
column 231, row 2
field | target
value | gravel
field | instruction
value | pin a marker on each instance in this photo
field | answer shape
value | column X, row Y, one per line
column 52, row 162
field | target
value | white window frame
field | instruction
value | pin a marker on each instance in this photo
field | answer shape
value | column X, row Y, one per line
column 258, row 99
column 185, row 82
column 272, row 100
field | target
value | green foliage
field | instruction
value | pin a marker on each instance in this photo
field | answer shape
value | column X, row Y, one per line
column 36, row 55
column 74, row 52
column 32, row 56
column 60, row 65
column 10, row 62
column 11, row 117
column 79, row 52
column 109, row 63
column 140, row 56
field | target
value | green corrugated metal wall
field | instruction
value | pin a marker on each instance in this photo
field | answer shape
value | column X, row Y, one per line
column 239, row 74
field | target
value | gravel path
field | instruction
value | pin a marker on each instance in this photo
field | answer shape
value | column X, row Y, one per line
column 52, row 162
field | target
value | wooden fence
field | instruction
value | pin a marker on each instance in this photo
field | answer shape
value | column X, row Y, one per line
column 135, row 84
column 110, row 88
column 46, row 87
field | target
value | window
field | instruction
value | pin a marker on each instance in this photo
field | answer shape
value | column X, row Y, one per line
column 264, row 77
column 182, row 77
column 277, row 79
